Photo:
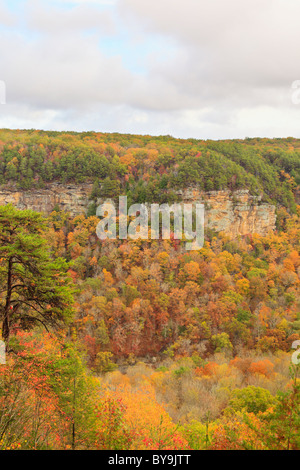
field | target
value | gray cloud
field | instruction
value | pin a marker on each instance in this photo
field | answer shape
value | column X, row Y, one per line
column 53, row 74
column 224, row 47
column 216, row 69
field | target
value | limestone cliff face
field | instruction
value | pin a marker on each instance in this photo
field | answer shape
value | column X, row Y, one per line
column 237, row 213
column 71, row 198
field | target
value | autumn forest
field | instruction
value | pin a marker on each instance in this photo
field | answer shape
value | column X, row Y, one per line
column 140, row 344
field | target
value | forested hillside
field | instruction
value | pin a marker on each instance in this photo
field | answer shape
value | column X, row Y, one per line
column 150, row 168
column 200, row 342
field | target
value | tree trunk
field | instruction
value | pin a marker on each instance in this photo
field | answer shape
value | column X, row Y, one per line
column 74, row 410
column 6, row 319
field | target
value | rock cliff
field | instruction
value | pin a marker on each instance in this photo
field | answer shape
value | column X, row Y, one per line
column 70, row 198
column 237, row 213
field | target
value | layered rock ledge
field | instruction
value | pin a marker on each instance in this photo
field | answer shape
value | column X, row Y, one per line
column 235, row 213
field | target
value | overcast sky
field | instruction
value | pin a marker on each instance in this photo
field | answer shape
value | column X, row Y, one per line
column 209, row 69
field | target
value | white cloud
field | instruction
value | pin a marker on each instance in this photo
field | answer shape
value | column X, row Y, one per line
column 62, row 75
column 209, row 69
column 6, row 17
column 53, row 19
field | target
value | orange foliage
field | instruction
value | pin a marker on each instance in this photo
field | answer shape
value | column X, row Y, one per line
column 263, row 367
column 208, row 369
column 150, row 428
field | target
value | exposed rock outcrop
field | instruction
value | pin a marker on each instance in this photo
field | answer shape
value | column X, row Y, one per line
column 237, row 213
column 70, row 198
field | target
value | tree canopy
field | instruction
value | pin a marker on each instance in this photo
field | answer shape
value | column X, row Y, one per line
column 35, row 287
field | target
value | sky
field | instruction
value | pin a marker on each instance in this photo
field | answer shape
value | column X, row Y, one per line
column 214, row 69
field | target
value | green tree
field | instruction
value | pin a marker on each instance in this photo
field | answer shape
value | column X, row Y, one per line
column 250, row 399
column 35, row 288
column 78, row 394
column 279, row 426
column 283, row 422
column 110, row 188
column 221, row 342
